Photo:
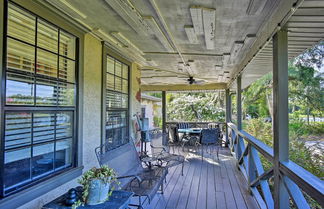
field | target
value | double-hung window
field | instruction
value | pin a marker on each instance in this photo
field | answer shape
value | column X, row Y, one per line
column 116, row 102
column 39, row 103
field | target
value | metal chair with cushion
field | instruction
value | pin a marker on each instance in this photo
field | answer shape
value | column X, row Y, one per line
column 210, row 137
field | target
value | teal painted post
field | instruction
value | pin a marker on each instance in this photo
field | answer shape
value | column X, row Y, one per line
column 228, row 114
column 164, row 137
column 280, row 115
column 239, row 102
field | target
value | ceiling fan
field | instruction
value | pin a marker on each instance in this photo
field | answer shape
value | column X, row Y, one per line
column 191, row 81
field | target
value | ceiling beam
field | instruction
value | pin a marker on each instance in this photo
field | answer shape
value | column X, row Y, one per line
column 183, row 87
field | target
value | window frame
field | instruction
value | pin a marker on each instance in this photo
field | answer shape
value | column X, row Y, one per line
column 38, row 108
column 108, row 52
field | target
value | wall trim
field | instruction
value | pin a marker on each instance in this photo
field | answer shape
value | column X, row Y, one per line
column 27, row 195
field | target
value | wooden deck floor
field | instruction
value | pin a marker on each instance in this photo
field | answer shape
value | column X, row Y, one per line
column 206, row 184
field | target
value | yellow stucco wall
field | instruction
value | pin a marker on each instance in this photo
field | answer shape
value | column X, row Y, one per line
column 135, row 96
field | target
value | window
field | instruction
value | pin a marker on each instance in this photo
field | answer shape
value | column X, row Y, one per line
column 116, row 103
column 40, row 101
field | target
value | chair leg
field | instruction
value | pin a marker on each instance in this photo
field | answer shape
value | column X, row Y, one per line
column 162, row 191
column 139, row 202
column 182, row 169
column 202, row 152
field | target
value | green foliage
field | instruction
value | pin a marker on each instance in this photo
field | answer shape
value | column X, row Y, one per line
column 157, row 121
column 104, row 173
column 254, row 98
column 298, row 151
column 196, row 107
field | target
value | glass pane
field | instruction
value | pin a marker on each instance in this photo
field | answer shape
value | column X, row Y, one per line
column 118, row 84
column 124, row 136
column 66, row 94
column 63, row 153
column 67, row 70
column 110, row 81
column 43, row 158
column 19, row 89
column 20, row 56
column 18, row 129
column 47, row 36
column 17, row 167
column 118, row 69
column 118, row 101
column 123, row 119
column 125, row 86
column 67, row 45
column 118, row 137
column 125, row 71
column 124, row 102
column 110, row 65
column 46, row 63
column 64, row 125
column 109, row 137
column 21, row 25
column 46, row 92
column 110, row 99
column 43, row 126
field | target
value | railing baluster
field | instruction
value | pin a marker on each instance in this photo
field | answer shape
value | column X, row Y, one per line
column 295, row 194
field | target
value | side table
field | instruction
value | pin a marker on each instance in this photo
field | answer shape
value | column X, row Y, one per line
column 118, row 200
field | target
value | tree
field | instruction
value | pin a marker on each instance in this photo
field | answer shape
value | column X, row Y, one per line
column 196, row 106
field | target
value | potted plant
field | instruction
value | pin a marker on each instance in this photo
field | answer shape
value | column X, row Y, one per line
column 96, row 184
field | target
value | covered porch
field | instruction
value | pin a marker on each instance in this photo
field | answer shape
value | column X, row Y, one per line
column 72, row 73
column 208, row 183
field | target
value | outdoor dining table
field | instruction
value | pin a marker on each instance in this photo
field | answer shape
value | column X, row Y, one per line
column 190, row 130
column 191, row 136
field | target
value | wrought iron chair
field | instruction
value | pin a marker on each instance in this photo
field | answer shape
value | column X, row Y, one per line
column 210, row 137
column 163, row 155
column 144, row 182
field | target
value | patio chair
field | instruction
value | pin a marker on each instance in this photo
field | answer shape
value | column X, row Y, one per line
column 181, row 126
column 163, row 155
column 210, row 137
column 143, row 182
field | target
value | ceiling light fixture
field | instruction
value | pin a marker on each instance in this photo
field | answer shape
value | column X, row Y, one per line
column 197, row 19
column 130, row 15
column 218, row 67
column 156, row 30
column 127, row 43
column 209, row 16
column 226, row 57
column 249, row 40
column 190, row 31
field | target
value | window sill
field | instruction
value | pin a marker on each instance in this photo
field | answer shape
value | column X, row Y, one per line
column 27, row 195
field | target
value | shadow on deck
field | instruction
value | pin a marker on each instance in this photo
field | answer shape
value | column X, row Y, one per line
column 210, row 183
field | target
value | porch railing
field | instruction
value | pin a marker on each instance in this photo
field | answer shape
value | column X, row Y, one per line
column 297, row 181
column 193, row 124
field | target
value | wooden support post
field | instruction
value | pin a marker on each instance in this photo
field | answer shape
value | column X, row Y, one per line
column 280, row 114
column 228, row 113
column 239, row 102
column 164, row 138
